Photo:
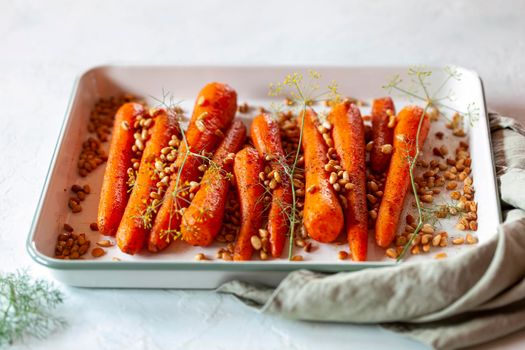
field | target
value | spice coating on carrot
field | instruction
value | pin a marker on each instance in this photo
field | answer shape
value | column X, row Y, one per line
column 214, row 110
column 248, row 164
column 132, row 231
column 382, row 133
column 322, row 215
column 266, row 138
column 202, row 220
column 349, row 141
column 114, row 194
column 398, row 177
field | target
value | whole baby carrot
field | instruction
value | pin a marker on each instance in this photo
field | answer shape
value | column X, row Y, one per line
column 247, row 167
column 114, row 194
column 409, row 121
column 322, row 216
column 266, row 138
column 349, row 141
column 202, row 220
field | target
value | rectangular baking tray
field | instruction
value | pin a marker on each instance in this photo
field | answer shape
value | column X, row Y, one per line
column 176, row 267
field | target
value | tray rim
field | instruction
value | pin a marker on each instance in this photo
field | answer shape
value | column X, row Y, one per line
column 281, row 265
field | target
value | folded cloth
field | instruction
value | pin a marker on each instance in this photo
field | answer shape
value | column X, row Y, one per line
column 451, row 303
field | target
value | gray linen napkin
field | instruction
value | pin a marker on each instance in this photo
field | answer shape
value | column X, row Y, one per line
column 448, row 304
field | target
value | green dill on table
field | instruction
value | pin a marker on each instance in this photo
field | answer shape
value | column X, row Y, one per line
column 27, row 307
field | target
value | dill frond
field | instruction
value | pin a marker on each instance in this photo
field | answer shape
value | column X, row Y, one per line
column 26, row 307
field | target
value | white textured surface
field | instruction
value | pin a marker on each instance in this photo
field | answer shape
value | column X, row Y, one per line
column 45, row 45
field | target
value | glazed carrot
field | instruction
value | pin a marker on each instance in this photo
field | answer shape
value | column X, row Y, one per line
column 349, row 141
column 398, row 177
column 266, row 138
column 114, row 194
column 322, row 216
column 248, row 164
column 132, row 231
column 213, row 112
column 202, row 220
column 382, row 134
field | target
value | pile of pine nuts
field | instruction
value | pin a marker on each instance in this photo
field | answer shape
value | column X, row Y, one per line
column 71, row 246
column 80, row 195
column 100, row 123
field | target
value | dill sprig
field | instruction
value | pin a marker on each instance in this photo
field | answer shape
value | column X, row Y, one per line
column 26, row 307
column 300, row 93
column 419, row 89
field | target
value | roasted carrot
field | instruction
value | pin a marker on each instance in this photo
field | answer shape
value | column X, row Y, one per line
column 322, row 216
column 382, row 133
column 202, row 220
column 409, row 120
column 132, row 231
column 114, row 194
column 349, row 141
column 248, row 164
column 214, row 110
column 266, row 138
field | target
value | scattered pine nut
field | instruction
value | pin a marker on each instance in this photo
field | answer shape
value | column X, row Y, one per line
column 200, row 257
column 105, row 243
column 342, row 255
column 391, row 253
column 98, row 252
column 436, row 240
column 471, row 239
column 458, row 241
column 256, row 242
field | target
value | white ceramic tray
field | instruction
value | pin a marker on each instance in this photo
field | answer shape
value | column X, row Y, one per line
column 176, row 268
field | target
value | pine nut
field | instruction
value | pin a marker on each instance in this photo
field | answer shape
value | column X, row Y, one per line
column 461, row 227
column 256, row 242
column 200, row 125
column 427, row 228
column 97, row 252
column 263, row 233
column 297, row 258
column 427, row 198
column 386, row 149
column 436, row 240
column 471, row 239
column 342, row 255
column 458, row 241
column 333, row 178
column 277, row 177
column 105, row 243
